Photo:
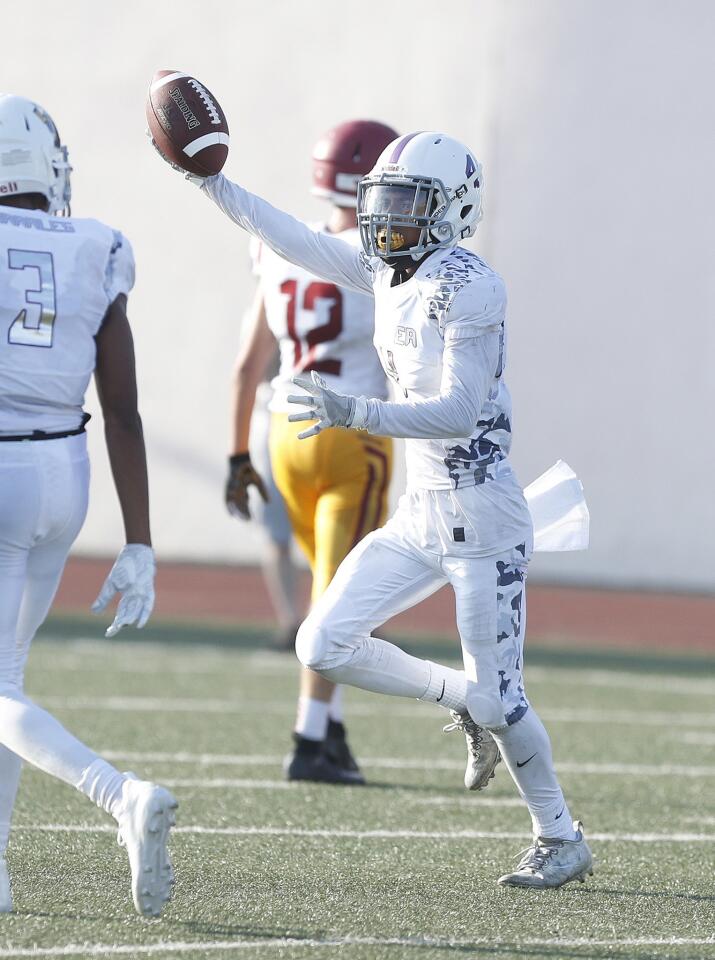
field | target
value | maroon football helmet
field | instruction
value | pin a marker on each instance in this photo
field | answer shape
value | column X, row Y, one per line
column 345, row 154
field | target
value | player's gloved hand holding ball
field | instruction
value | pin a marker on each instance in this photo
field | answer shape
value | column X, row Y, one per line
column 186, row 124
column 133, row 577
column 242, row 475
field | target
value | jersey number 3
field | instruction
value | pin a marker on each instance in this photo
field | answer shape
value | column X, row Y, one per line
column 304, row 362
column 34, row 324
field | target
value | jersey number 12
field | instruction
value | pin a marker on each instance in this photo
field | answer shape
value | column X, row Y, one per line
column 303, row 362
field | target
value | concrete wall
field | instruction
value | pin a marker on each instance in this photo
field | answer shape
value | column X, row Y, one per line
column 592, row 122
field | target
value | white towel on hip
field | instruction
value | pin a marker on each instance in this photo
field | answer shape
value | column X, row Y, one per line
column 558, row 510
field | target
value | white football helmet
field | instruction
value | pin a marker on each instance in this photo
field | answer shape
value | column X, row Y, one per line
column 32, row 158
column 423, row 180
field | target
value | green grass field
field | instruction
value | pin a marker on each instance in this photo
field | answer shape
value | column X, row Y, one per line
column 403, row 868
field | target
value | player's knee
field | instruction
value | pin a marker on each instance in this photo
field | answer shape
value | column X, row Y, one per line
column 486, row 708
column 311, row 644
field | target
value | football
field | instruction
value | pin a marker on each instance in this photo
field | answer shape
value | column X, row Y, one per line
column 187, row 123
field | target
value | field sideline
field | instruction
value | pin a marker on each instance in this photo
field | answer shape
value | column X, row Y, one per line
column 402, row 868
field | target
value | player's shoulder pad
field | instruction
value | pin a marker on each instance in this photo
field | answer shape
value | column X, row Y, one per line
column 466, row 297
column 117, row 256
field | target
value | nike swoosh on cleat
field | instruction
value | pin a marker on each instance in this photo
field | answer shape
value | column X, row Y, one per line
column 524, row 763
column 442, row 693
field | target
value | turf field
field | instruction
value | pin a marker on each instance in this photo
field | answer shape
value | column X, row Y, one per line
column 404, row 868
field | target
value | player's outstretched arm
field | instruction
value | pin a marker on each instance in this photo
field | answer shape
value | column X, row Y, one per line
column 175, row 96
column 133, row 573
column 255, row 355
column 468, row 371
column 470, row 360
column 325, row 256
column 467, row 374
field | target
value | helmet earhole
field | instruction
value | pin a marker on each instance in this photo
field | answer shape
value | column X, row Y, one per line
column 464, row 212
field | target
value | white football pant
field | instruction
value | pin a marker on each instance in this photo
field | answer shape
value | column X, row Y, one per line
column 43, row 502
column 393, row 569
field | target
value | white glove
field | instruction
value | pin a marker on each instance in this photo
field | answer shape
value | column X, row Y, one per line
column 329, row 408
column 133, row 576
column 191, row 177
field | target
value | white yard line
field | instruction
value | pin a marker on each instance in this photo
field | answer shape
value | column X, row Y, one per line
column 416, row 763
column 694, row 737
column 200, row 759
column 386, row 709
column 279, row 943
column 625, row 680
column 228, row 784
column 153, row 657
column 473, row 803
column 375, row 834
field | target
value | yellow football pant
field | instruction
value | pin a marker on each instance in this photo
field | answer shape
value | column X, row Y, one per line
column 335, row 490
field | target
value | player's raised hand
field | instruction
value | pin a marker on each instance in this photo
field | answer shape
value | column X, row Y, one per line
column 132, row 576
column 179, row 111
column 329, row 408
column 242, row 475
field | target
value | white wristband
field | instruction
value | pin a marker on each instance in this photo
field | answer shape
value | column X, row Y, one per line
column 359, row 418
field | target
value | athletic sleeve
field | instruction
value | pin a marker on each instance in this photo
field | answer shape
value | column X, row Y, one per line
column 469, row 365
column 473, row 337
column 321, row 254
column 119, row 270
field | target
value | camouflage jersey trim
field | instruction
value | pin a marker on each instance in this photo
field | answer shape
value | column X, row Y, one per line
column 474, row 465
column 456, row 270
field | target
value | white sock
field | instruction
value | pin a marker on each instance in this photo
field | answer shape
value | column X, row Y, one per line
column 335, row 711
column 446, row 686
column 10, row 769
column 102, row 783
column 526, row 742
column 382, row 667
column 312, row 719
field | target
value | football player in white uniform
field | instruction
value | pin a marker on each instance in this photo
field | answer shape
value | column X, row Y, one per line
column 440, row 331
column 335, row 489
column 63, row 296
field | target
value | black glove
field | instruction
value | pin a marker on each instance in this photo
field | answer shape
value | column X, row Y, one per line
column 240, row 477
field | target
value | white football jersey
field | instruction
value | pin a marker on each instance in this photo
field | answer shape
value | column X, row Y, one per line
column 452, row 293
column 58, row 276
column 319, row 326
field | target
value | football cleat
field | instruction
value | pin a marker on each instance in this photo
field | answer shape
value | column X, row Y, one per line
column 548, row 864
column 337, row 749
column 147, row 814
column 482, row 752
column 5, row 892
column 310, row 761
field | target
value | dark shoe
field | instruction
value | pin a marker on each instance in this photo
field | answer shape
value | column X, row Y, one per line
column 336, row 747
column 310, row 761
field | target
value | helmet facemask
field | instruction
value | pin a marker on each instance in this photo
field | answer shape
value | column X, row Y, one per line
column 392, row 208
column 59, row 192
column 61, row 189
